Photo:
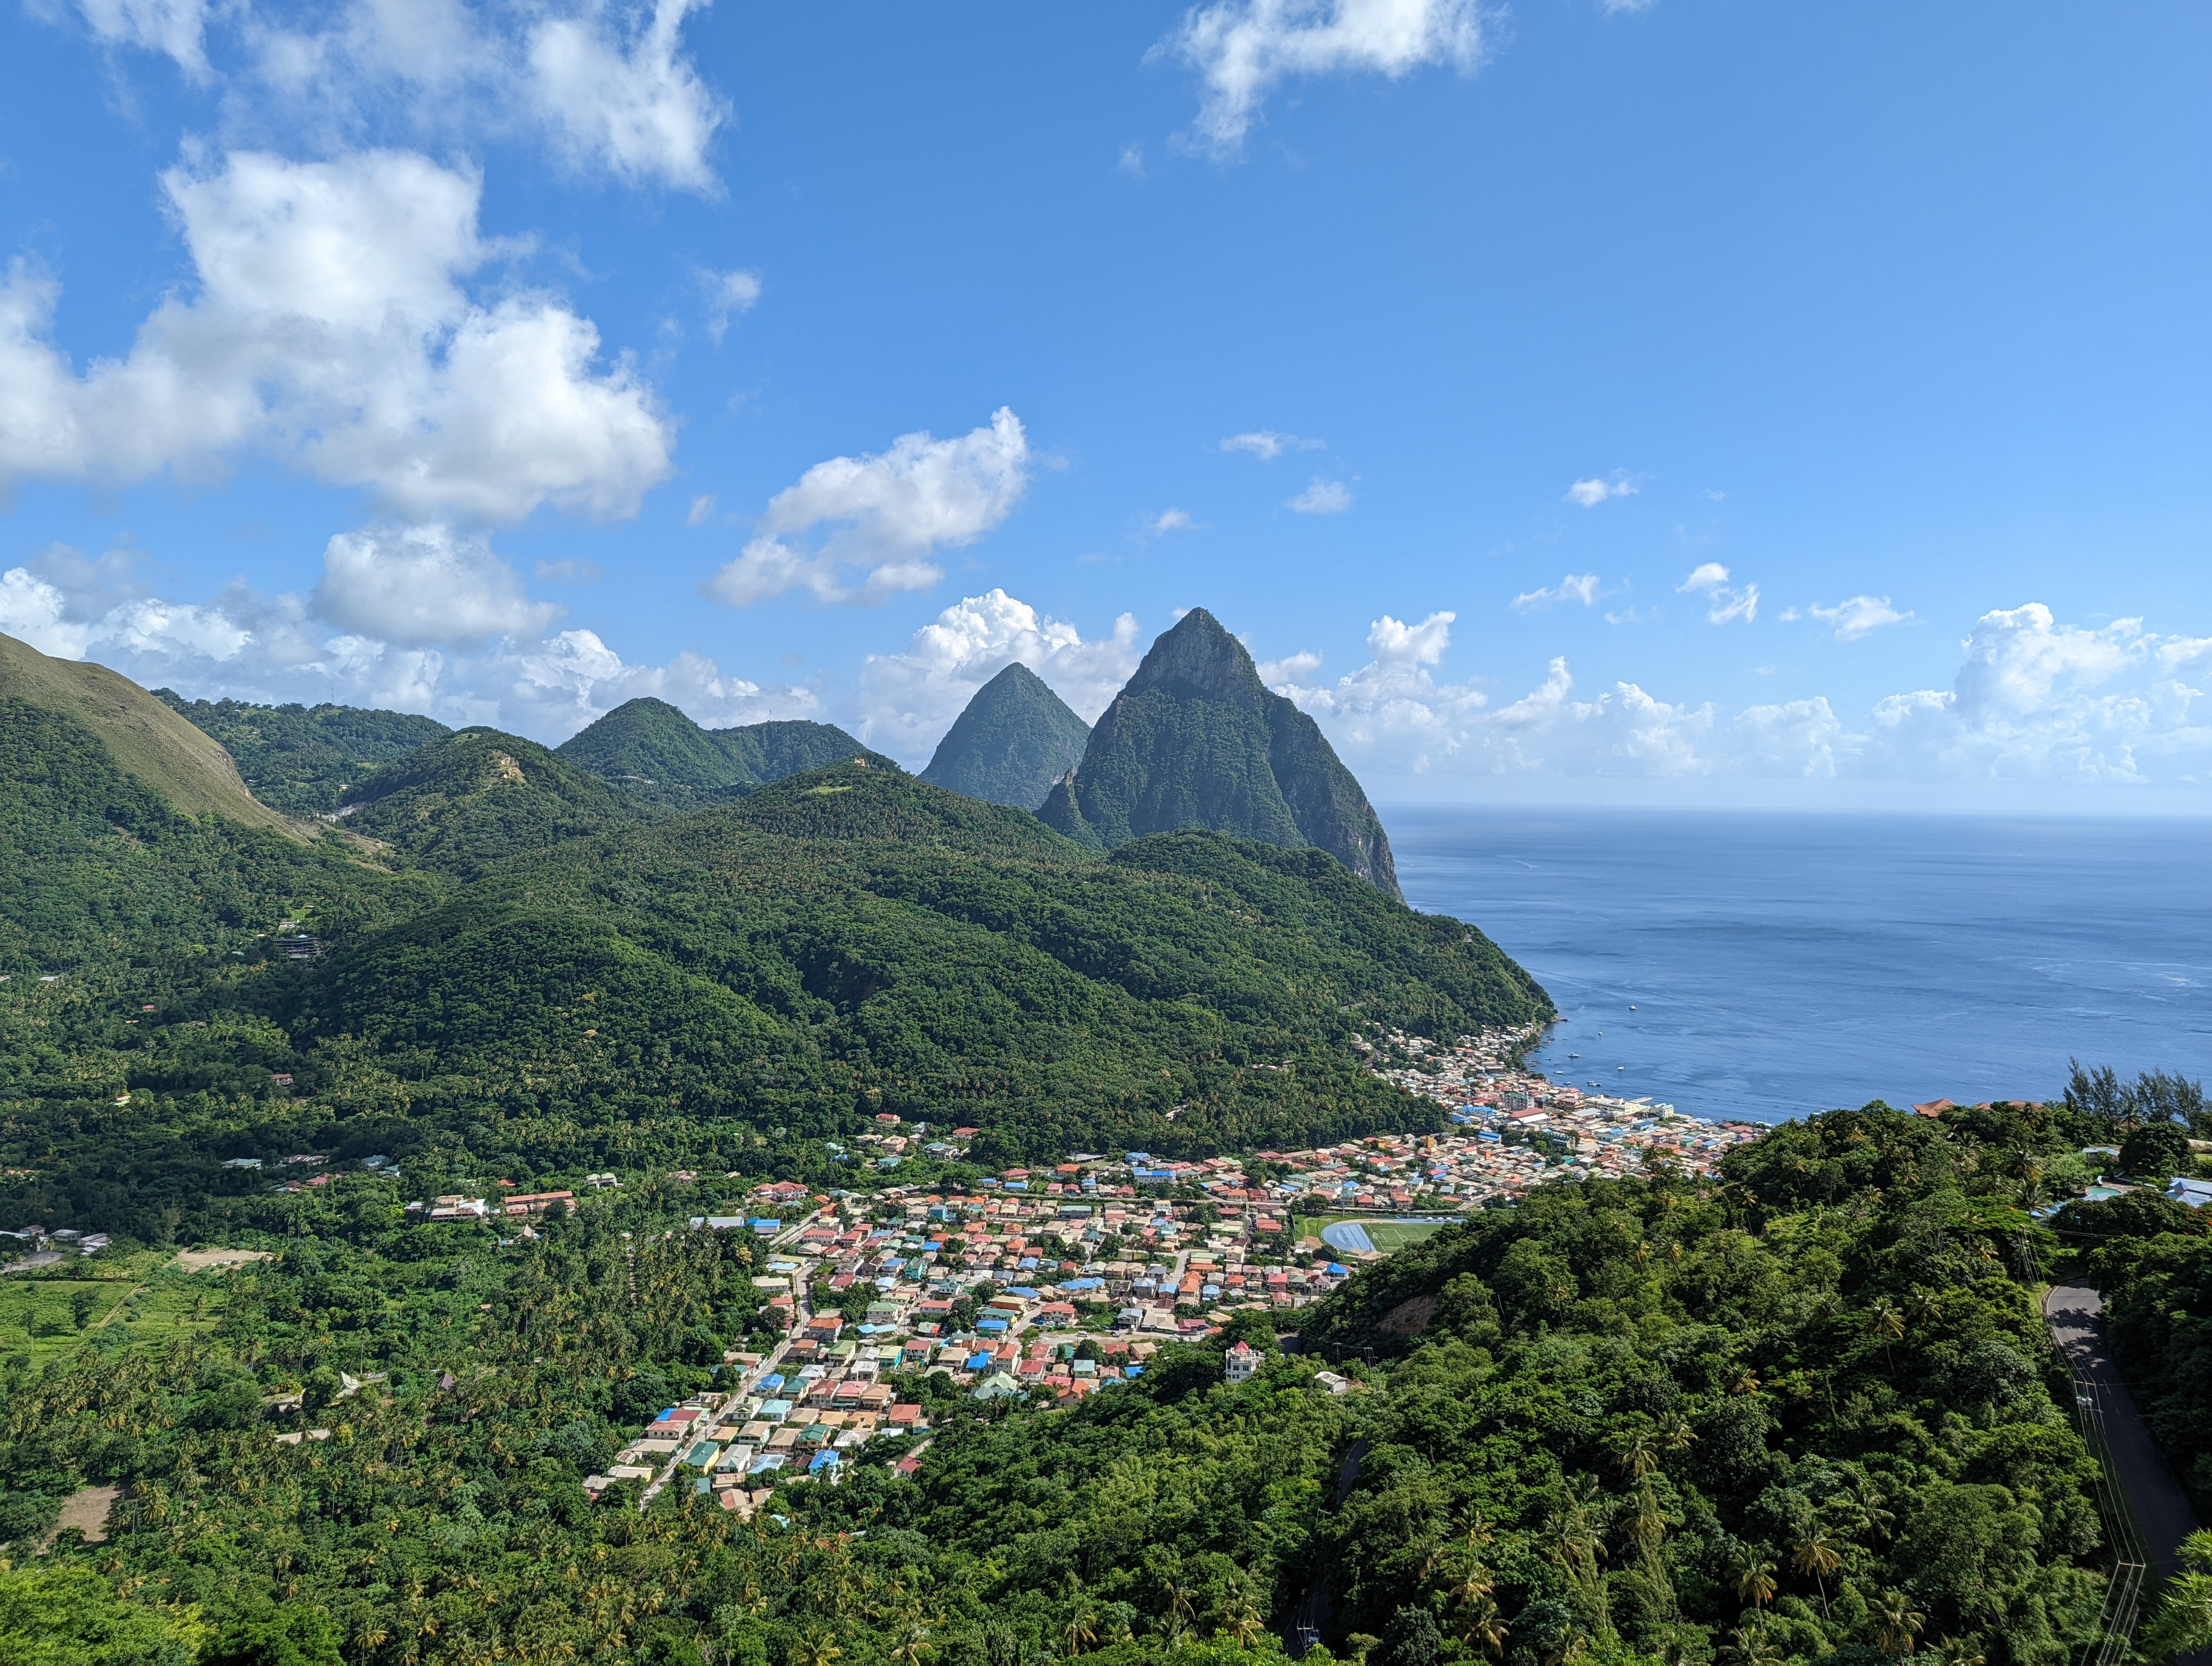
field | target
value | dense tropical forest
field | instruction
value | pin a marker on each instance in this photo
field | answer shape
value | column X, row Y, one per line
column 1804, row 1413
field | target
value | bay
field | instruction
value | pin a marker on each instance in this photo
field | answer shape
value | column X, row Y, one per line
column 1766, row 965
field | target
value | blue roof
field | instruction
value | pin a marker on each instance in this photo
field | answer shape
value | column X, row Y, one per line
column 993, row 1326
column 1339, row 1270
column 978, row 1362
column 1023, row 1291
column 774, row 1379
column 824, row 1461
column 763, row 1224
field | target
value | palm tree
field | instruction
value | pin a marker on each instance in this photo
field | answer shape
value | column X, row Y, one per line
column 1638, row 1457
column 1896, row 1622
column 816, row 1649
column 1751, row 1647
column 1816, row 1553
column 1240, row 1620
column 1754, row 1580
column 1179, row 1612
column 1481, row 1625
column 1956, row 1651
column 1081, row 1630
column 1886, row 1324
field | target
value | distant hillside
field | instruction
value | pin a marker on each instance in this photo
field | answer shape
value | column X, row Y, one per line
column 143, row 739
column 653, row 752
column 479, row 795
column 127, row 840
column 855, row 939
column 300, row 759
column 1014, row 740
column 1195, row 740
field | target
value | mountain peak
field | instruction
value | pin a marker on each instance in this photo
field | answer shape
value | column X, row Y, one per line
column 1196, row 740
column 1015, row 739
column 1199, row 656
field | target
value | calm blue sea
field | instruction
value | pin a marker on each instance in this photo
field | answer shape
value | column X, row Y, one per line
column 1778, row 964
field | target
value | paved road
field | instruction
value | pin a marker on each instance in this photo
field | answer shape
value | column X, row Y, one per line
column 2161, row 1509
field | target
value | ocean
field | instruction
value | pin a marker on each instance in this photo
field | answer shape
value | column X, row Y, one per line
column 1764, row 965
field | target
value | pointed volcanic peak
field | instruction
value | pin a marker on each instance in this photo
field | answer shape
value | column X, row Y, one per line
column 1014, row 740
column 1196, row 740
column 654, row 753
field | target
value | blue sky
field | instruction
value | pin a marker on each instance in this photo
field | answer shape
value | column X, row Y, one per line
column 1694, row 402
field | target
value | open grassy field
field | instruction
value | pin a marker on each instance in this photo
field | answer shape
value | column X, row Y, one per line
column 142, row 1298
column 1385, row 1235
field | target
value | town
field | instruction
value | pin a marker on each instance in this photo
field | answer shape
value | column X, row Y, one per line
column 1061, row 1281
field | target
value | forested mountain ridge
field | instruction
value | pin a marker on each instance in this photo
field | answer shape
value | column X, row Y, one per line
column 478, row 796
column 653, row 752
column 1012, row 741
column 1195, row 740
column 300, row 759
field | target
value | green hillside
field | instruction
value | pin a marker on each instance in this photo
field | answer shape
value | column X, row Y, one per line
column 300, row 759
column 141, row 736
column 1011, row 743
column 653, row 753
column 1195, row 740
column 853, row 939
column 477, row 796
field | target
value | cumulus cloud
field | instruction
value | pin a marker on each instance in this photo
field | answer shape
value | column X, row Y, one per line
column 2033, row 700
column 1322, row 497
column 1574, row 587
column 249, row 646
column 909, row 699
column 611, row 87
column 1267, row 445
column 175, row 28
column 1171, row 520
column 1591, row 493
column 1241, row 49
column 329, row 328
column 886, row 515
column 1724, row 602
column 416, row 585
column 627, row 99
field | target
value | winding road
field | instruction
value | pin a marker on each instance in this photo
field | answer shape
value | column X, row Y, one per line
column 2162, row 1510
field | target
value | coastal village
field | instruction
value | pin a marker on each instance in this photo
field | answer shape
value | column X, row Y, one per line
column 1061, row 1281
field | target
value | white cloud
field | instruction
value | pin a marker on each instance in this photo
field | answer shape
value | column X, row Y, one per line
column 1322, row 497
column 1172, row 520
column 1725, row 602
column 908, row 700
column 417, row 586
column 1857, row 617
column 728, row 294
column 2033, row 700
column 570, row 572
column 625, row 98
column 34, row 612
column 1241, row 48
column 329, row 328
column 176, row 28
column 275, row 649
column 1267, row 445
column 1591, row 493
column 887, row 513
column 1574, row 587
column 702, row 506
column 1132, row 161
column 610, row 85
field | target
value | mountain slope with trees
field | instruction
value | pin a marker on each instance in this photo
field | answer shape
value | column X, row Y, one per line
column 302, row 759
column 1195, row 740
column 653, row 752
column 1010, row 743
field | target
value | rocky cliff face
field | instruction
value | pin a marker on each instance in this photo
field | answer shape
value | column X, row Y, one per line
column 1195, row 740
